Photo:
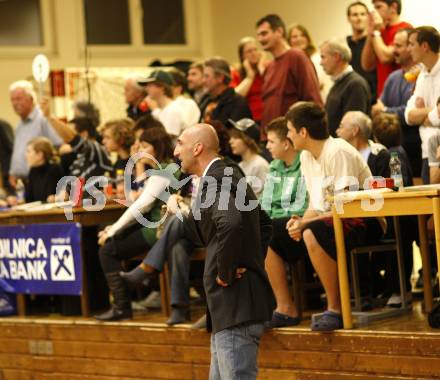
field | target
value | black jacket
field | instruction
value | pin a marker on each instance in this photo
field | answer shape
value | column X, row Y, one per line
column 379, row 160
column 42, row 182
column 230, row 105
column 135, row 113
column 349, row 93
column 6, row 144
column 233, row 239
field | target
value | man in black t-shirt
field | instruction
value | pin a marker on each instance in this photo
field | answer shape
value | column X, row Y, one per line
column 357, row 15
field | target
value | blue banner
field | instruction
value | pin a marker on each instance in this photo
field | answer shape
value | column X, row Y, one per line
column 41, row 258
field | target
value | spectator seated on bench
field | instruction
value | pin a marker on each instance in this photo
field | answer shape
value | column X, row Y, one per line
column 127, row 238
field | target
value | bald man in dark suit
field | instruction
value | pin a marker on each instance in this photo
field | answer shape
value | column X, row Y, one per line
column 229, row 221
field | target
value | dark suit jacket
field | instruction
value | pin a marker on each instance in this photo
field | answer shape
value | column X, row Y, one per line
column 233, row 239
column 231, row 106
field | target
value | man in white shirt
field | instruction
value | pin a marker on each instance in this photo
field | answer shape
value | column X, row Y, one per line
column 190, row 109
column 421, row 109
column 160, row 100
column 329, row 165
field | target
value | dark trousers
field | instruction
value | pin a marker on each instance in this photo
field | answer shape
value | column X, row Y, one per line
column 176, row 245
column 130, row 243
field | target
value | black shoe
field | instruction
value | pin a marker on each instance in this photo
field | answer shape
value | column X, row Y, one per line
column 121, row 298
column 282, row 320
column 114, row 315
column 178, row 315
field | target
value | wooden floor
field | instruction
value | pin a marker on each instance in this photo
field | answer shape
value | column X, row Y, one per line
column 59, row 348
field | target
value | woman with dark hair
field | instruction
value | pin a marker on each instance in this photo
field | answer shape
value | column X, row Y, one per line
column 223, row 138
column 299, row 37
column 252, row 66
column 127, row 237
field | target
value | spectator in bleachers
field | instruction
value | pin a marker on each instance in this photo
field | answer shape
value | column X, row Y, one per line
column 395, row 95
column 350, row 92
column 160, row 100
column 89, row 157
column 433, row 152
column 88, row 110
column 32, row 124
column 224, row 102
column 45, row 172
column 357, row 15
column 117, row 137
column 290, row 77
column 195, row 84
column 284, row 196
column 434, row 155
column 387, row 131
column 383, row 23
column 356, row 129
column 143, row 123
column 134, row 97
column 223, row 138
column 335, row 163
column 252, row 66
column 190, row 109
column 421, row 109
column 244, row 138
column 299, row 37
column 81, row 109
column 6, row 145
column 128, row 238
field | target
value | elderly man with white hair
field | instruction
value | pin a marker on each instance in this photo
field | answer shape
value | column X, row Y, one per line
column 356, row 128
column 350, row 92
column 32, row 124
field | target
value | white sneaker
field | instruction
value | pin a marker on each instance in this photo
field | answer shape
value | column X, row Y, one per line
column 396, row 300
column 138, row 306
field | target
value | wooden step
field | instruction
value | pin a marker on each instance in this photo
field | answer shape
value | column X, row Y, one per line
column 84, row 349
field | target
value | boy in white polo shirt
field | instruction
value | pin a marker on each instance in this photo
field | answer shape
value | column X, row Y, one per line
column 329, row 165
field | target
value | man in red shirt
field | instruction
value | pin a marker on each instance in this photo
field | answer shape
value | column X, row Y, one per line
column 377, row 53
column 290, row 77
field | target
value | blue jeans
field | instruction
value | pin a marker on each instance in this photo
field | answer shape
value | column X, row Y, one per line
column 234, row 353
column 175, row 245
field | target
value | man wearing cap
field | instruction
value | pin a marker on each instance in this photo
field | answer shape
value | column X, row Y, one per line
column 160, row 100
column 244, row 140
column 224, row 102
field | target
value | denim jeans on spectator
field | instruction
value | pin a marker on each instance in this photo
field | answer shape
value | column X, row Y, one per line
column 176, row 246
column 158, row 254
column 234, row 352
column 179, row 260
